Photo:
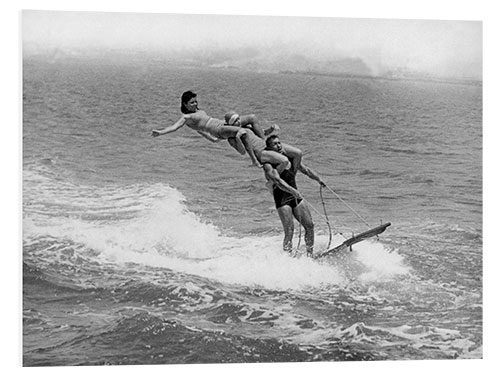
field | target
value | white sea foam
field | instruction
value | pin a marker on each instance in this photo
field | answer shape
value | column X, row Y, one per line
column 164, row 233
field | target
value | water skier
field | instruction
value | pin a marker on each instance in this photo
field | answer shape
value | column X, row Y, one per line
column 288, row 199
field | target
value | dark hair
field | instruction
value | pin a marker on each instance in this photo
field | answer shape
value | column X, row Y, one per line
column 186, row 97
column 270, row 139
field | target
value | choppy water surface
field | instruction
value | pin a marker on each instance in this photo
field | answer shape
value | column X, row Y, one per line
column 145, row 251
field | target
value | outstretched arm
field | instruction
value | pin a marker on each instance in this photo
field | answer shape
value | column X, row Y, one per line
column 310, row 173
column 180, row 123
column 273, row 176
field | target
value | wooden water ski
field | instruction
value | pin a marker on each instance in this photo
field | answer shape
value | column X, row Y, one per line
column 354, row 240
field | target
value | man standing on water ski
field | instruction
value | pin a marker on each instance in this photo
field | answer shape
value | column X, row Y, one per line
column 288, row 199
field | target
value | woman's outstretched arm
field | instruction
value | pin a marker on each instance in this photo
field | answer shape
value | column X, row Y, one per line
column 179, row 124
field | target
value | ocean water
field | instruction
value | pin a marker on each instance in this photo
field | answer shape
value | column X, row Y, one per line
column 141, row 250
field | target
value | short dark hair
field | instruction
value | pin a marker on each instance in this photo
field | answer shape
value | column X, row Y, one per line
column 186, row 97
column 270, row 139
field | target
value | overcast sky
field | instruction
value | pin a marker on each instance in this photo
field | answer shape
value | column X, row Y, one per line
column 439, row 47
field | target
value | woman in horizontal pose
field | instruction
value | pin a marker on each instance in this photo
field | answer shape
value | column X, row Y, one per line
column 210, row 128
column 214, row 129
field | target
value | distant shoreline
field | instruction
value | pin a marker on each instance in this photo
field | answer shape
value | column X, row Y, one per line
column 191, row 64
column 388, row 78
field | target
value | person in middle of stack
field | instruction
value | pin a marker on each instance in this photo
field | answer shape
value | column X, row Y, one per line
column 256, row 142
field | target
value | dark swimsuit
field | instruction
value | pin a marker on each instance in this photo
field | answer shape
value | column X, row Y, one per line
column 283, row 198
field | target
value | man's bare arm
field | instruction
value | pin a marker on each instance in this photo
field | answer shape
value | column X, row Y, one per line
column 273, row 175
column 310, row 173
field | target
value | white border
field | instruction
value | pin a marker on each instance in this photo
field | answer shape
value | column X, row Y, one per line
column 12, row 153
